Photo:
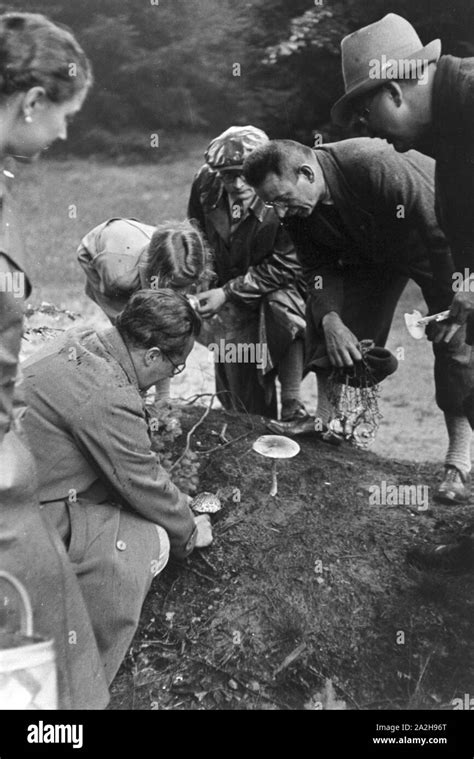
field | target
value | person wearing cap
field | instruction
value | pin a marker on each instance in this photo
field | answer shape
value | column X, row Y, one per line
column 258, row 296
column 426, row 104
column 363, row 221
column 101, row 487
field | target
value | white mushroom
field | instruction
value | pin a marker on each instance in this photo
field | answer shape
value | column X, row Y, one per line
column 416, row 324
column 275, row 447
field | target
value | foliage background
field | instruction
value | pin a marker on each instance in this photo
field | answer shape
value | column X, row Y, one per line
column 167, row 68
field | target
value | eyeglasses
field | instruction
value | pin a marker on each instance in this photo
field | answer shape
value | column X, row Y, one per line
column 177, row 368
column 361, row 109
column 230, row 176
column 280, row 205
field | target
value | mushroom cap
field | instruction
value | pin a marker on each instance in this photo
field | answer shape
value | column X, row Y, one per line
column 206, row 503
column 413, row 325
column 276, row 447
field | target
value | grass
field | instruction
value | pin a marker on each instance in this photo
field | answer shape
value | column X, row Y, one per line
column 412, row 426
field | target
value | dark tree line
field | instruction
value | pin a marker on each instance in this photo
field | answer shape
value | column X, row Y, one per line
column 183, row 66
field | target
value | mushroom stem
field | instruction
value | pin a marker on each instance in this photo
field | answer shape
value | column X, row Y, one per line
column 274, row 487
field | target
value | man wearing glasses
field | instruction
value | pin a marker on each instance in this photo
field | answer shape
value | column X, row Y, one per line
column 258, row 297
column 362, row 219
column 429, row 107
column 101, row 486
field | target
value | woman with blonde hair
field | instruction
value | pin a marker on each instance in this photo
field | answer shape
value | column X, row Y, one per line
column 44, row 79
column 121, row 256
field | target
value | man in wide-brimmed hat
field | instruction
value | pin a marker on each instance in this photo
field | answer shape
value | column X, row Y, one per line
column 258, row 296
column 412, row 96
column 362, row 219
column 427, row 104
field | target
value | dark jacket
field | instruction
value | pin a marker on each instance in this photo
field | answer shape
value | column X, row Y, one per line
column 385, row 217
column 259, row 258
column 453, row 149
column 258, row 268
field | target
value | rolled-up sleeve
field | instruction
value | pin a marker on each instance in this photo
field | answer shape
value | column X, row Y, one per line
column 113, row 435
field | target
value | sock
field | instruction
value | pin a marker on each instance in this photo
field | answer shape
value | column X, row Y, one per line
column 460, row 436
column 290, row 372
column 325, row 409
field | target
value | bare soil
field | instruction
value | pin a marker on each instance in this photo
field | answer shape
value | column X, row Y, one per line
column 305, row 600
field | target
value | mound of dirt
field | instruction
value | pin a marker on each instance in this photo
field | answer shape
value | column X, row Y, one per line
column 304, row 600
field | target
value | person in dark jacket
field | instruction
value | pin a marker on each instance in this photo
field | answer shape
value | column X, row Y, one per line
column 420, row 98
column 255, row 311
column 363, row 221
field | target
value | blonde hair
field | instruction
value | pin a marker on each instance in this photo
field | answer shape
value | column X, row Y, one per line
column 178, row 255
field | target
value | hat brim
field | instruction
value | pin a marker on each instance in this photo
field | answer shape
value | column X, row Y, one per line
column 341, row 112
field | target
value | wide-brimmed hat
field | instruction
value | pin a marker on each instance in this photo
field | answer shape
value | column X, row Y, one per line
column 392, row 38
column 231, row 148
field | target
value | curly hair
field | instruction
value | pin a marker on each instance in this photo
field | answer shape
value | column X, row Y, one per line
column 35, row 52
column 158, row 318
column 178, row 256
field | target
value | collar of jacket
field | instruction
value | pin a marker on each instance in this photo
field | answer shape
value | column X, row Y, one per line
column 213, row 198
column 113, row 344
column 359, row 222
column 257, row 206
column 452, row 98
column 218, row 216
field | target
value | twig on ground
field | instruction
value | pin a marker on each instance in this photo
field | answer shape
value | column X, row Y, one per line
column 189, row 435
column 222, row 436
column 224, row 445
column 295, row 654
column 229, row 526
column 197, row 572
column 336, row 683
column 207, row 562
column 233, row 676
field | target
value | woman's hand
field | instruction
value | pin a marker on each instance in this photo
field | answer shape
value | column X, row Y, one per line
column 211, row 301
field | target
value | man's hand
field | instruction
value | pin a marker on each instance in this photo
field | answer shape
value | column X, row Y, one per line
column 211, row 301
column 441, row 332
column 342, row 346
column 204, row 531
column 461, row 308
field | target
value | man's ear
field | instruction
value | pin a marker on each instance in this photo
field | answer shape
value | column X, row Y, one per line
column 34, row 100
column 151, row 356
column 307, row 172
column 395, row 92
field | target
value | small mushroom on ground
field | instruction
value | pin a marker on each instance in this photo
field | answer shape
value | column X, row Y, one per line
column 275, row 447
column 206, row 503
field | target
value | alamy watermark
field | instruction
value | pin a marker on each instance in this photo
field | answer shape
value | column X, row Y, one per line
column 399, row 495
column 13, row 282
column 239, row 353
column 401, row 68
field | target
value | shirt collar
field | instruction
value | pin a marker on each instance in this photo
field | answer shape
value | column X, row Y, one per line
column 258, row 208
